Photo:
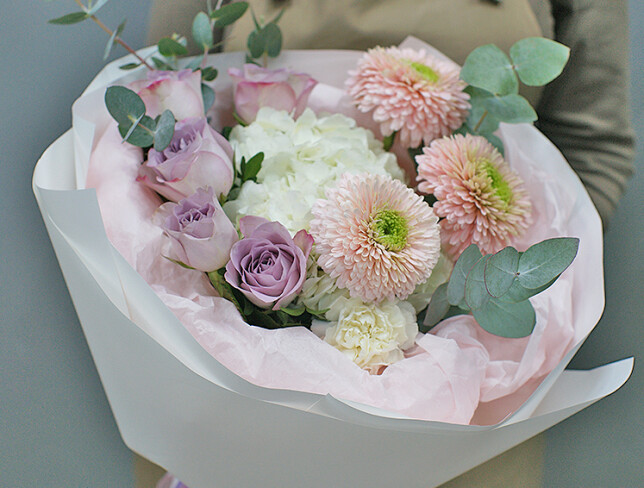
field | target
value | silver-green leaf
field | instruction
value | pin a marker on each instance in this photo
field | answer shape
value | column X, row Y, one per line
column 124, row 105
column 546, row 260
column 489, row 68
column 201, row 31
column 456, row 288
column 505, row 319
column 501, row 271
column 538, row 61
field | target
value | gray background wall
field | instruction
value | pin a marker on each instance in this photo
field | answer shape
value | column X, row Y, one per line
column 55, row 425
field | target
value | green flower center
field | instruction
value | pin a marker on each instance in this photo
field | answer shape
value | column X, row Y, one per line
column 425, row 71
column 389, row 228
column 501, row 187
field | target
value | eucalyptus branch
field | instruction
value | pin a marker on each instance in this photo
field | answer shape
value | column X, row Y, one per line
column 118, row 39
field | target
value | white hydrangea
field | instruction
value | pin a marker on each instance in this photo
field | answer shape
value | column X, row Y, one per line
column 320, row 291
column 302, row 158
column 372, row 335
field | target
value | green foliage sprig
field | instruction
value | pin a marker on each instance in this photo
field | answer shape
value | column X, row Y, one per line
column 495, row 288
column 493, row 80
column 265, row 40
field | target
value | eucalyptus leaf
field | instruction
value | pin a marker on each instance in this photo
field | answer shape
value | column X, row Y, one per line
column 512, row 109
column 294, row 311
column 456, row 288
column 161, row 64
column 437, row 308
column 68, row 19
column 129, row 66
column 209, row 73
column 110, row 42
column 256, row 43
column 164, row 130
column 273, row 39
column 208, row 95
column 489, row 68
column 538, row 61
column 201, row 31
column 195, row 63
column 228, row 14
column 124, row 105
column 512, row 320
column 476, row 294
column 479, row 120
column 140, row 134
column 543, row 262
column 496, row 142
column 517, row 293
column 501, row 271
column 170, row 48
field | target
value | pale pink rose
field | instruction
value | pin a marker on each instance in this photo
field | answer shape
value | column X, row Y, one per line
column 177, row 91
column 281, row 89
column 197, row 156
column 201, row 235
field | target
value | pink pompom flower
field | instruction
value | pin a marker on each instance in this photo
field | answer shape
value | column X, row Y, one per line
column 412, row 92
column 481, row 200
column 376, row 236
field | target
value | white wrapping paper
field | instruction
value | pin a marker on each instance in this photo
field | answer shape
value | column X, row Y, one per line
column 175, row 404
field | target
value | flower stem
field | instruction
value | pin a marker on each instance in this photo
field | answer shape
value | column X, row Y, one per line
column 118, row 39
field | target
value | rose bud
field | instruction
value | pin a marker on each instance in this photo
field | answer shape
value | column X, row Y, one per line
column 197, row 156
column 177, row 91
column 281, row 89
column 268, row 265
column 201, row 235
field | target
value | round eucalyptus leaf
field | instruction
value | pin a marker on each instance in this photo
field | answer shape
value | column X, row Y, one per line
column 124, row 105
column 544, row 261
column 256, row 43
column 456, row 286
column 141, row 134
column 273, row 39
column 505, row 319
column 490, row 68
column 512, row 109
column 538, row 60
column 501, row 271
column 437, row 308
column 228, row 14
column 201, row 31
column 164, row 130
column 476, row 295
column 169, row 47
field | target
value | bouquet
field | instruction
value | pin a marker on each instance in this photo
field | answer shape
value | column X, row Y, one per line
column 270, row 212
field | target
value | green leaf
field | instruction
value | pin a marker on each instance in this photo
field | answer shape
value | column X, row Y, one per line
column 97, row 6
column 456, row 287
column 251, row 168
column 273, row 39
column 517, row 293
column 501, row 271
column 489, row 68
column 112, row 39
column 170, row 48
column 208, row 95
column 538, row 61
column 294, row 311
column 437, row 308
column 161, row 64
column 476, row 294
column 164, row 130
column 496, row 142
column 512, row 320
column 142, row 135
column 124, row 105
column 256, row 44
column 546, row 260
column 195, row 63
column 512, row 109
column 209, row 73
column 228, row 14
column 201, row 31
column 129, row 66
column 68, row 19
column 388, row 141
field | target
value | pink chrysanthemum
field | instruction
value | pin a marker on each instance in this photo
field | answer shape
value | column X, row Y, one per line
column 412, row 92
column 376, row 236
column 482, row 201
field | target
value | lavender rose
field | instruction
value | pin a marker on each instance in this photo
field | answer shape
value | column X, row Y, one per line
column 201, row 235
column 268, row 266
column 282, row 89
column 197, row 156
column 177, row 91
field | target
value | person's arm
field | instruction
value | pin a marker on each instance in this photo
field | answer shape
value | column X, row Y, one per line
column 585, row 111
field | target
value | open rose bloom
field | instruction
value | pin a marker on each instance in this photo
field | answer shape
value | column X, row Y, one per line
column 198, row 391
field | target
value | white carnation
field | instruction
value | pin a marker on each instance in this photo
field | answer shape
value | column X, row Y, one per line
column 301, row 159
column 371, row 335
